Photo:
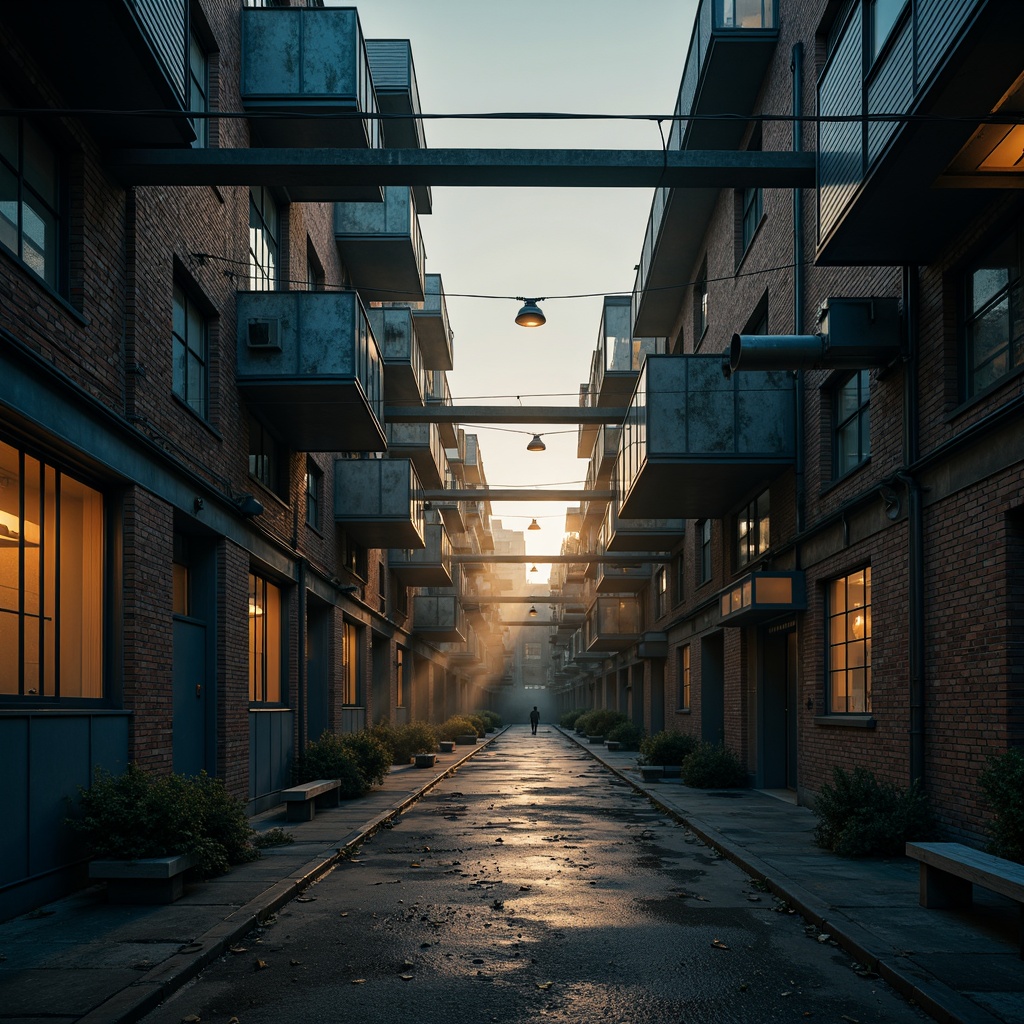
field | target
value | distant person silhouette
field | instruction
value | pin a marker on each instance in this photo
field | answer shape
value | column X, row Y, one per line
column 534, row 719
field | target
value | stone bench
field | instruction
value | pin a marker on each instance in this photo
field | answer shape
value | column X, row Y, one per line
column 303, row 801
column 146, row 880
column 949, row 871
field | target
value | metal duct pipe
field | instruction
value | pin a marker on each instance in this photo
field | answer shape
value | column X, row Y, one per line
column 773, row 352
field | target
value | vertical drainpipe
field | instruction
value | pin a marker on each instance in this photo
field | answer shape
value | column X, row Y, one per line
column 915, row 528
column 301, row 649
column 796, row 67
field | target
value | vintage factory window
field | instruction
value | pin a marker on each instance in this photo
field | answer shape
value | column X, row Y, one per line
column 704, row 550
column 265, row 626
column 753, row 530
column 661, row 593
column 263, row 240
column 190, row 350
column 199, row 90
column 314, row 495
column 849, row 643
column 51, row 582
column 851, row 418
column 683, row 678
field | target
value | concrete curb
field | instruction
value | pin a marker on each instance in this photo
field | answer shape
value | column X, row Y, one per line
column 153, row 987
column 936, row 999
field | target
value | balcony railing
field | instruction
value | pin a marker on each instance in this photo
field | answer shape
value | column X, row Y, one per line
column 377, row 502
column 695, row 443
column 381, row 245
column 432, row 322
column 619, row 354
column 622, row 579
column 613, row 623
column 421, row 443
column 620, row 534
column 429, row 566
column 308, row 364
column 730, row 50
column 438, row 393
column 439, row 617
column 587, row 432
column 403, row 363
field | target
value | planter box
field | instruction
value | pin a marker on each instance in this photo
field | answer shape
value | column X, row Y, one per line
column 148, row 880
column 425, row 760
column 613, row 745
column 595, row 739
column 651, row 772
column 466, row 741
column 673, row 771
column 447, row 746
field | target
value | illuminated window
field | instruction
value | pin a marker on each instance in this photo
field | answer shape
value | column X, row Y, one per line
column 189, row 351
column 51, row 582
column 852, row 419
column 350, row 662
column 264, row 641
column 994, row 328
column 661, row 593
column 849, row 643
column 263, row 241
column 753, row 530
column 30, row 197
column 683, row 678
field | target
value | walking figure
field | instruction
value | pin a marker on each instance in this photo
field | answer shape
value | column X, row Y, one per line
column 534, row 719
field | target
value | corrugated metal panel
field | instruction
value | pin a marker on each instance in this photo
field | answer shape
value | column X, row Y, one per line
column 840, row 150
column 390, row 63
column 891, row 91
column 164, row 22
column 938, row 24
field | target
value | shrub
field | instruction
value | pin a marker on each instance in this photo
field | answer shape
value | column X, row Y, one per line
column 600, row 721
column 1003, row 783
column 858, row 816
column 627, row 734
column 711, row 766
column 360, row 759
column 142, row 814
column 372, row 758
column 457, row 725
column 669, row 748
column 492, row 720
column 568, row 718
column 479, row 725
column 405, row 741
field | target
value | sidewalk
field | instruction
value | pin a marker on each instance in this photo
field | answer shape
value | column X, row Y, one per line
column 84, row 960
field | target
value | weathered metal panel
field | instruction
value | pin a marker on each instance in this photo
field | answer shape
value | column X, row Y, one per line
column 164, row 22
column 397, row 339
column 891, row 90
column 377, row 502
column 841, row 143
column 271, row 752
column 938, row 24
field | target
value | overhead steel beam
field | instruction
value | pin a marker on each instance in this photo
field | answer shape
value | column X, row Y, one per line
column 502, row 414
column 516, row 494
column 506, row 168
column 609, row 558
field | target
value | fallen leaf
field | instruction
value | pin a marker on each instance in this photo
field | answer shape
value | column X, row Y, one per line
column 415, row 864
column 545, row 985
column 305, row 899
column 358, row 981
column 718, row 944
column 406, row 977
column 191, row 1019
column 238, row 949
column 261, row 965
column 824, row 937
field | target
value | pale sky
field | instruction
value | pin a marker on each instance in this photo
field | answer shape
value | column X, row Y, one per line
column 567, row 56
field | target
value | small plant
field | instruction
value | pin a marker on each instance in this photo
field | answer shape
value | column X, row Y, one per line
column 667, row 748
column 627, row 734
column 568, row 718
column 405, row 741
column 457, row 725
column 479, row 725
column 359, row 759
column 492, row 720
column 1003, row 783
column 858, row 816
column 710, row 766
column 142, row 814
column 272, row 837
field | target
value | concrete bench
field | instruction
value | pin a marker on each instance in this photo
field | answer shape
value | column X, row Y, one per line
column 303, row 801
column 146, row 880
column 949, row 871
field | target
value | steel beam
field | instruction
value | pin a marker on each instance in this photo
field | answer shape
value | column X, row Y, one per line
column 502, row 414
column 516, row 494
column 609, row 558
column 507, row 168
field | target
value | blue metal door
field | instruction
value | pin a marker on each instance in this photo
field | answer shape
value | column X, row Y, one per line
column 190, row 696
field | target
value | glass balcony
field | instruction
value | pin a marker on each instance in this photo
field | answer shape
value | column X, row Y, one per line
column 439, row 617
column 112, row 56
column 730, row 50
column 394, row 81
column 616, row 578
column 613, row 623
column 308, row 364
column 376, row 501
column 432, row 323
column 307, row 61
column 606, row 450
column 587, row 433
column 472, row 462
column 399, row 346
column 694, row 443
column 620, row 534
column 450, row 508
column 619, row 355
column 381, row 245
column 421, row 443
column 438, row 393
column 429, row 566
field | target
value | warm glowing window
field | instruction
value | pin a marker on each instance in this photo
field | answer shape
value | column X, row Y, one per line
column 350, row 665
column 264, row 641
column 683, row 681
column 849, row 643
column 263, row 241
column 51, row 581
column 753, row 530
column 400, row 676
column 661, row 593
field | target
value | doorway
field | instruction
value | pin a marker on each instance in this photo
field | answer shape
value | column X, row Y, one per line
column 712, row 689
column 778, row 714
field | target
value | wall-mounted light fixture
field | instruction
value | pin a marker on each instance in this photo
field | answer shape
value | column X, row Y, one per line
column 248, row 505
column 530, row 315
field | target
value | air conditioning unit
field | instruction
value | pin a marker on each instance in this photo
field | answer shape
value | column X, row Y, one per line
column 264, row 334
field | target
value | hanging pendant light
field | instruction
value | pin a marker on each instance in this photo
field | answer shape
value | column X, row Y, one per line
column 534, row 525
column 536, row 445
column 533, row 611
column 534, row 569
column 530, row 315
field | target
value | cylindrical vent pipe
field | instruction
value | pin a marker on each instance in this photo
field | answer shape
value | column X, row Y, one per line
column 773, row 352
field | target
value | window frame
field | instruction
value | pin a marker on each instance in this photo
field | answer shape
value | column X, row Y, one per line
column 661, row 592
column 702, row 536
column 860, row 417
column 351, row 662
column 756, row 514
column 266, row 641
column 268, row 457
column 314, row 495
column 684, row 678
column 842, row 616
column 700, row 305
column 264, row 240
column 200, row 404
column 199, row 88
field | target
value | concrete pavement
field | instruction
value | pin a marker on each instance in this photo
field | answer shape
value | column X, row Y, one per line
column 84, row 960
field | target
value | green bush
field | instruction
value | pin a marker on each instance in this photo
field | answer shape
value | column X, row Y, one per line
column 858, row 816
column 568, row 718
column 711, row 766
column 627, row 734
column 359, row 759
column 405, row 741
column 670, row 748
column 457, row 725
column 1003, row 783
column 142, row 814
column 600, row 721
column 479, row 725
column 492, row 720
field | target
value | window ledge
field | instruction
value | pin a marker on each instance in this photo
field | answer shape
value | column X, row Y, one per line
column 682, row 711
column 847, row 721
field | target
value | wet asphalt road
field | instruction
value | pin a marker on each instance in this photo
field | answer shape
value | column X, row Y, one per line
column 534, row 884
